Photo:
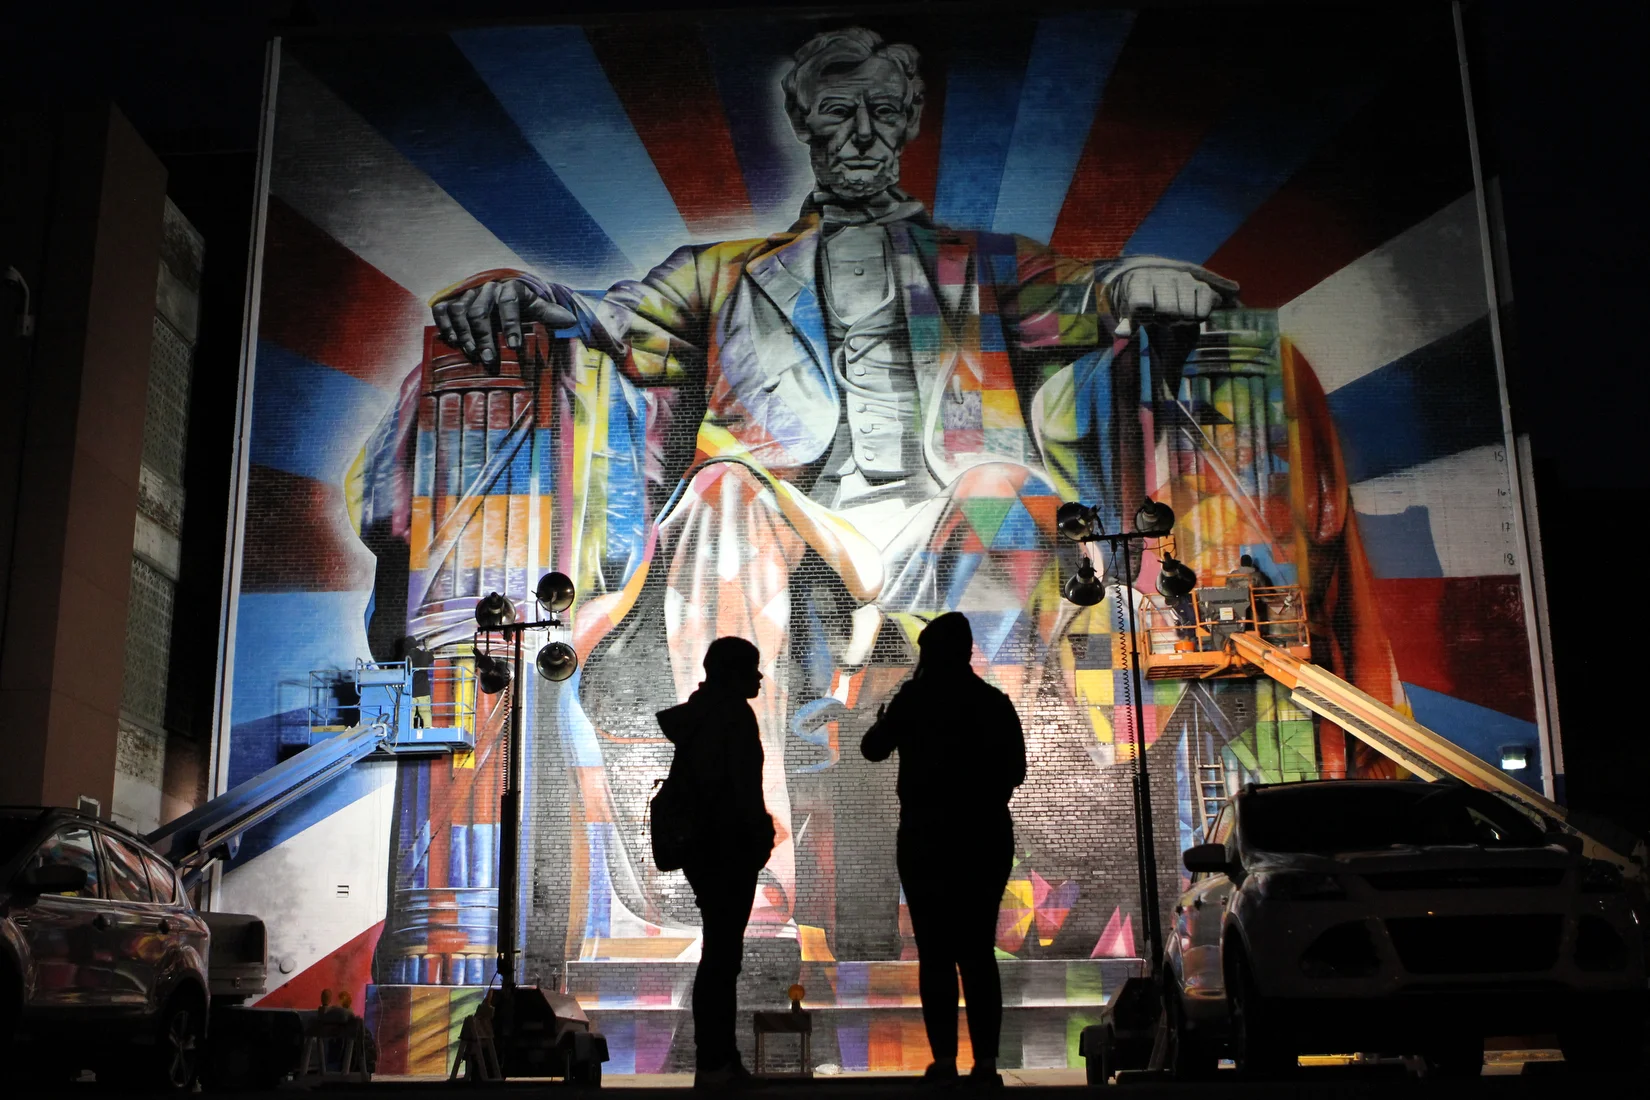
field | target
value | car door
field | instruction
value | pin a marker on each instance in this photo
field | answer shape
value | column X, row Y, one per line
column 1204, row 912
column 136, row 923
column 177, row 920
column 69, row 958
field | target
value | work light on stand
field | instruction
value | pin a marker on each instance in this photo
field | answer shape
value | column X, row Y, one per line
column 1153, row 520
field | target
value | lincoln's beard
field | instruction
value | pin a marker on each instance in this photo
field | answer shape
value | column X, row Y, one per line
column 851, row 183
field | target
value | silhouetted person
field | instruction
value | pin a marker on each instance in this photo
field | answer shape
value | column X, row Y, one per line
column 961, row 754
column 1249, row 573
column 719, row 752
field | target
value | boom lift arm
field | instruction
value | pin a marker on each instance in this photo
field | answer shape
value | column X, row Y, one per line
column 1244, row 630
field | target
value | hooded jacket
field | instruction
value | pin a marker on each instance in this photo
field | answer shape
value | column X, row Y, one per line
column 961, row 754
column 719, row 755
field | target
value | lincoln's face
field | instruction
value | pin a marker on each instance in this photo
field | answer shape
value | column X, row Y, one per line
column 856, row 121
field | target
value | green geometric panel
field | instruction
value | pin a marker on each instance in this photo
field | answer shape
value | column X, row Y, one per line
column 986, row 514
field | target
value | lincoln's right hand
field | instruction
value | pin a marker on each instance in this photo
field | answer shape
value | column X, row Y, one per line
column 475, row 315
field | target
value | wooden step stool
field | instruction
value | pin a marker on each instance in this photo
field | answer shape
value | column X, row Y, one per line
column 797, row 1021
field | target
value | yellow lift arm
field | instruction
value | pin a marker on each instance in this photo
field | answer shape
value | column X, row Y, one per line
column 1418, row 749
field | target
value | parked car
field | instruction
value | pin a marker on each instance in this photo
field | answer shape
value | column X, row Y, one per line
column 103, row 960
column 1399, row 918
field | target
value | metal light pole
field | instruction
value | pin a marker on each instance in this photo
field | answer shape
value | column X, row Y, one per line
column 556, row 661
column 1153, row 521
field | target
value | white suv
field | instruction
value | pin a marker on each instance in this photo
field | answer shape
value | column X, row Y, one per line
column 1397, row 918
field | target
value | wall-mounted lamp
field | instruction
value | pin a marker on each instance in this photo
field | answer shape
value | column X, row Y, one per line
column 1515, row 758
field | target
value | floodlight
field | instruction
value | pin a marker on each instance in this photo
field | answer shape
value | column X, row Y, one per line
column 494, row 611
column 492, row 673
column 1084, row 588
column 557, row 661
column 1075, row 520
column 1154, row 519
column 1175, row 578
column 555, row 592
column 1514, row 758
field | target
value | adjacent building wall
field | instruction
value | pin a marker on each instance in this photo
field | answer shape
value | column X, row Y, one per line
column 82, row 386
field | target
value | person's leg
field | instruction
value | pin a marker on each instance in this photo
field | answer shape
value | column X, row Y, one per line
column 725, row 902
column 976, row 931
column 926, row 901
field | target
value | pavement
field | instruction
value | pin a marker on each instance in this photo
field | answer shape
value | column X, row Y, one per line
column 1507, row 1075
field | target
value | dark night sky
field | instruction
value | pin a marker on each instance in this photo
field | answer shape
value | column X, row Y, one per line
column 1561, row 97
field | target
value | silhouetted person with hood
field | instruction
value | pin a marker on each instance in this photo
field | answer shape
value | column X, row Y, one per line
column 961, row 754
column 719, row 752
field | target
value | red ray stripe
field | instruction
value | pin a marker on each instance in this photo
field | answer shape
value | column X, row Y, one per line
column 1462, row 636
column 663, row 77
column 1173, row 81
column 329, row 305
column 1400, row 159
column 919, row 163
column 299, row 537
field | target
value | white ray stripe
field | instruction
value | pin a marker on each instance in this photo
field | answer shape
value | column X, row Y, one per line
column 1468, row 503
column 332, row 167
column 1421, row 285
column 294, row 886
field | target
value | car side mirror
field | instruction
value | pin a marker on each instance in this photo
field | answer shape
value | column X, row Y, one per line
column 53, row 878
column 1568, row 841
column 1205, row 857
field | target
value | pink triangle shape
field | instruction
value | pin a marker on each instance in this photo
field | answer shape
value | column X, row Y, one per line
column 1039, row 890
column 1117, row 941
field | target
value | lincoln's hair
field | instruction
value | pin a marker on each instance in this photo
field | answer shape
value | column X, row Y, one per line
column 834, row 51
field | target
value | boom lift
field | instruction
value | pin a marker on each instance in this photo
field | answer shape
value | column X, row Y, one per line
column 369, row 710
column 1244, row 630
column 354, row 713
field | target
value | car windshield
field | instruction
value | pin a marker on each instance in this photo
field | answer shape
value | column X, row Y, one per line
column 16, row 830
column 1329, row 819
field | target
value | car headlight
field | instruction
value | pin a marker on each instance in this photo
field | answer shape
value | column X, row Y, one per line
column 1600, row 876
column 1299, row 886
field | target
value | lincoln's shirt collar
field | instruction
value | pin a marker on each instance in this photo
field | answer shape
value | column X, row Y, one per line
column 883, row 208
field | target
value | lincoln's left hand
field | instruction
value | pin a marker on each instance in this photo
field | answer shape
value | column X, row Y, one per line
column 1149, row 288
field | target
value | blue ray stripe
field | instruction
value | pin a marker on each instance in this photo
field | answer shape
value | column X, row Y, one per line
column 1479, row 730
column 1400, row 544
column 552, row 86
column 1071, row 57
column 1260, row 143
column 1437, row 400
column 982, row 102
column 280, row 637
column 421, row 93
column 257, row 742
column 309, row 419
column 748, row 59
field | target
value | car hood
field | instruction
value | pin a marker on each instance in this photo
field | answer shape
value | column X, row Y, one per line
column 1439, row 857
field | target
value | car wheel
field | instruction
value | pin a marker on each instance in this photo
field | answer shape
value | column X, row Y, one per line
column 11, row 1002
column 1259, row 1049
column 1459, row 1056
column 1099, row 1065
column 174, row 1061
column 1191, row 1056
column 587, row 1073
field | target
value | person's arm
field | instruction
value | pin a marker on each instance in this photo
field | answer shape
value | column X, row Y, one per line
column 882, row 738
column 1014, row 745
column 653, row 327
column 1056, row 303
